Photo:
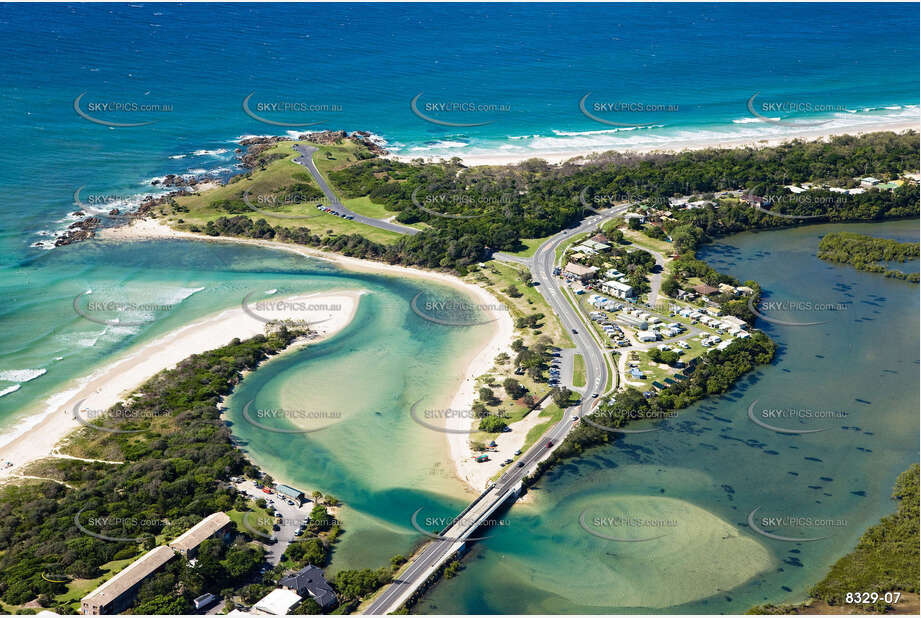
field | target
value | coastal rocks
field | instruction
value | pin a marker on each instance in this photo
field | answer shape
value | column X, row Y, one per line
column 114, row 212
column 325, row 138
column 80, row 230
column 255, row 146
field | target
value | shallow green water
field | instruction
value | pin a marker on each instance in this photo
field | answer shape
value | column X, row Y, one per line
column 715, row 466
column 361, row 385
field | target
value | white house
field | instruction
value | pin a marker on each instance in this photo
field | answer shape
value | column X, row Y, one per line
column 618, row 289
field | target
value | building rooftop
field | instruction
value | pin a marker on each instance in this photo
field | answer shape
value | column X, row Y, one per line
column 130, row 575
column 193, row 537
column 705, row 289
column 277, row 603
column 580, row 270
column 289, row 491
column 310, row 580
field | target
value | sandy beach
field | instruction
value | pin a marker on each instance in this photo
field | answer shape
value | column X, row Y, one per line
column 101, row 390
column 331, row 311
column 674, row 146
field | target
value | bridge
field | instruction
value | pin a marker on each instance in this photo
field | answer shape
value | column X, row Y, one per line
column 454, row 539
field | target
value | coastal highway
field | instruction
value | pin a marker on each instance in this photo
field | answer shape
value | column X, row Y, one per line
column 306, row 159
column 432, row 555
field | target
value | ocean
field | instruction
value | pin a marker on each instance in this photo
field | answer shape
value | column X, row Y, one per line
column 424, row 80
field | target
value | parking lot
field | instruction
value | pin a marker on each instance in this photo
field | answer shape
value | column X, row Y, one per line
column 293, row 518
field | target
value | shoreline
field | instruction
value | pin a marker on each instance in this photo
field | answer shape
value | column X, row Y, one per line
column 110, row 383
column 676, row 146
column 458, row 443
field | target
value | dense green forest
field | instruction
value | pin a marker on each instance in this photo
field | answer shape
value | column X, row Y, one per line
column 177, row 464
column 866, row 252
column 472, row 211
column 886, row 557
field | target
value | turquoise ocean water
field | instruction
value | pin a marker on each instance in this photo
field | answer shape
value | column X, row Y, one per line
column 696, row 65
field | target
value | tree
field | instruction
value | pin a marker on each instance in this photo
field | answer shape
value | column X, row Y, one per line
column 513, row 388
column 512, row 291
column 492, row 424
column 561, row 396
column 670, row 287
column 526, row 277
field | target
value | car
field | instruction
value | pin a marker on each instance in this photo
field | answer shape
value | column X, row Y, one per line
column 575, row 332
column 518, row 452
column 298, row 532
column 276, row 527
column 575, row 418
column 520, row 464
column 594, row 395
column 549, row 443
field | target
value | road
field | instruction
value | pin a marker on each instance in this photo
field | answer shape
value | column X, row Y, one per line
column 306, row 159
column 434, row 553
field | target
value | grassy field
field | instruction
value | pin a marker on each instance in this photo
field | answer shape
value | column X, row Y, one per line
column 78, row 588
column 498, row 276
column 276, row 179
column 531, row 246
column 645, row 242
column 553, row 414
column 578, row 373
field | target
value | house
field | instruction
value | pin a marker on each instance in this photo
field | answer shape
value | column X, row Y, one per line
column 635, row 215
column 310, row 581
column 600, row 238
column 291, row 492
column 276, row 603
column 618, row 289
column 580, row 272
column 119, row 593
column 744, row 289
column 705, row 290
column 869, row 181
column 889, row 186
column 732, row 321
column 636, row 373
column 647, row 337
column 725, row 288
column 755, row 200
column 598, row 247
column 584, row 250
column 213, row 526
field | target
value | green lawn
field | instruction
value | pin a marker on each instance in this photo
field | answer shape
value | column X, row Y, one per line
column 531, row 246
column 578, row 375
column 78, row 588
column 274, row 179
column 553, row 414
